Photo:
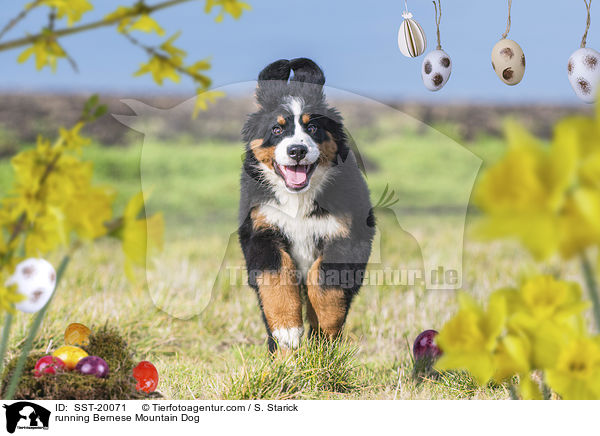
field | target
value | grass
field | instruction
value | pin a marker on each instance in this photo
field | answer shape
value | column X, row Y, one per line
column 202, row 329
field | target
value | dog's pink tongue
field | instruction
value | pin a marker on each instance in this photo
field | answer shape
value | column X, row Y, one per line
column 295, row 175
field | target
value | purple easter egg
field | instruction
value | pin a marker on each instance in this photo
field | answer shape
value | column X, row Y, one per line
column 93, row 365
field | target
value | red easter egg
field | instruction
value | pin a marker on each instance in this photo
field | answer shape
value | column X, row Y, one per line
column 147, row 377
column 48, row 365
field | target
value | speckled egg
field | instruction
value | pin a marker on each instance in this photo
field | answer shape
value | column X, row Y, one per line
column 436, row 70
column 35, row 279
column 508, row 61
column 584, row 73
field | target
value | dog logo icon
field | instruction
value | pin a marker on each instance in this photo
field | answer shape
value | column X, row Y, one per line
column 26, row 415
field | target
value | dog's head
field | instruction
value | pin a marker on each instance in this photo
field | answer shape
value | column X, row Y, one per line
column 295, row 137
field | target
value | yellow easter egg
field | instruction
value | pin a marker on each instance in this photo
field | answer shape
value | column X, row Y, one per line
column 77, row 334
column 70, row 355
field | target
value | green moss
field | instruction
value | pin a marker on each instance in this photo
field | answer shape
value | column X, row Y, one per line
column 119, row 385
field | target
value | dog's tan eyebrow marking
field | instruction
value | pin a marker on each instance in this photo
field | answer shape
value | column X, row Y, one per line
column 305, row 118
column 280, row 120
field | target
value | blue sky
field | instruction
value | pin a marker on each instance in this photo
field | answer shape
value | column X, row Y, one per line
column 355, row 42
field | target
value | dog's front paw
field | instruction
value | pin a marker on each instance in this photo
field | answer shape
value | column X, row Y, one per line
column 288, row 337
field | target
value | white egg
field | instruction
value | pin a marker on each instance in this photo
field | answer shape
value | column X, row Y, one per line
column 411, row 37
column 584, row 73
column 35, row 279
column 508, row 61
column 436, row 70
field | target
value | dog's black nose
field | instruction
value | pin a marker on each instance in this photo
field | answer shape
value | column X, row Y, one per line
column 297, row 152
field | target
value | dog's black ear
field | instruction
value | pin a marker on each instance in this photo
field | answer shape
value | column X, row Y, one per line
column 278, row 70
column 306, row 71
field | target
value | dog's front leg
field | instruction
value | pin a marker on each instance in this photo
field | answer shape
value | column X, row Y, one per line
column 281, row 304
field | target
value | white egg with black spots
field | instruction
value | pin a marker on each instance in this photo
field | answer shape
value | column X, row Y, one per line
column 411, row 37
column 508, row 61
column 35, row 279
column 436, row 70
column 584, row 73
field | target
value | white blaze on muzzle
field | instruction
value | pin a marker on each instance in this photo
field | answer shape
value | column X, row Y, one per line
column 300, row 137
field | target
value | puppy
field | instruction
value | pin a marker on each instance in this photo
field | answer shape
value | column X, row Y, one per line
column 306, row 221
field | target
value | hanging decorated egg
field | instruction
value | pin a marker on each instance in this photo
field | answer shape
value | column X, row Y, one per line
column 583, row 67
column 584, row 73
column 437, row 66
column 508, row 61
column 35, row 279
column 146, row 376
column 411, row 37
column 77, row 334
column 436, row 70
column 70, row 355
column 93, row 365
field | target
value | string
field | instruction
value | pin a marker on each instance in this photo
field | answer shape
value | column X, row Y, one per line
column 405, row 6
column 505, row 34
column 588, row 5
column 438, row 20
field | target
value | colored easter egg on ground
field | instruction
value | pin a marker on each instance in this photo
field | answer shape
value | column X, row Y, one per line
column 508, row 61
column 584, row 73
column 48, row 365
column 70, row 355
column 436, row 70
column 425, row 346
column 77, row 334
column 35, row 279
column 93, row 365
column 147, row 377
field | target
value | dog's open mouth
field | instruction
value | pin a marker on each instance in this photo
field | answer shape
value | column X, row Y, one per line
column 296, row 177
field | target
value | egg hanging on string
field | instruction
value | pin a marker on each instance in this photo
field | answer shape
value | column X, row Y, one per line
column 584, row 73
column 437, row 66
column 436, row 70
column 508, row 61
column 583, row 68
column 411, row 37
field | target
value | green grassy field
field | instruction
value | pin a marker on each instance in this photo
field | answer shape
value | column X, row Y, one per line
column 209, row 348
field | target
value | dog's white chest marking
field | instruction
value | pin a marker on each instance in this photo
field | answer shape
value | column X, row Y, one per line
column 303, row 231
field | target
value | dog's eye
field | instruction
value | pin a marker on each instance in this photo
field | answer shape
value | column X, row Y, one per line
column 311, row 128
column 277, row 130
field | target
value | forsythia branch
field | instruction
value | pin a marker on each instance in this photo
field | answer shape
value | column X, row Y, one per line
column 20, row 42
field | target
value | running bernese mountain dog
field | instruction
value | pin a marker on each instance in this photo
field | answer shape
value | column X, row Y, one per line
column 306, row 221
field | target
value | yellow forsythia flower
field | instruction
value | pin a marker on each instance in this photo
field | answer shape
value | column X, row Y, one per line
column 140, row 235
column 235, row 8
column 129, row 20
column 46, row 51
column 161, row 68
column 72, row 9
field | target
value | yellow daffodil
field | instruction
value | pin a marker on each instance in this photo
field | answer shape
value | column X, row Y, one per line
column 577, row 372
column 470, row 338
